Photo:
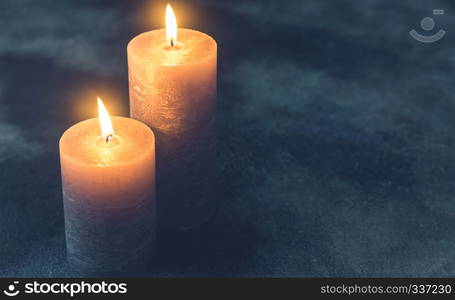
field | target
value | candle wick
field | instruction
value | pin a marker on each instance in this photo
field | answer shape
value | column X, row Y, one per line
column 109, row 138
column 172, row 42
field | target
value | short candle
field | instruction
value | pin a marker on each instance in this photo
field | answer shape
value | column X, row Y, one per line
column 172, row 83
column 108, row 180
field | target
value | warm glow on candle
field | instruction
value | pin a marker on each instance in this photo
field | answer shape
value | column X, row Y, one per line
column 171, row 26
column 105, row 121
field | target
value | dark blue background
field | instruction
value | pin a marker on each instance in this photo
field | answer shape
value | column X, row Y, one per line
column 336, row 133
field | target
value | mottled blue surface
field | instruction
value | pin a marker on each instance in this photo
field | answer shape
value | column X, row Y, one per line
column 336, row 133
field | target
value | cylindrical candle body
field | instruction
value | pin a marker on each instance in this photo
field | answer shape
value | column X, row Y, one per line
column 173, row 90
column 109, row 196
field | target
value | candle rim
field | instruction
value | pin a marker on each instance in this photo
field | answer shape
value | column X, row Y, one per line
column 120, row 163
column 203, row 59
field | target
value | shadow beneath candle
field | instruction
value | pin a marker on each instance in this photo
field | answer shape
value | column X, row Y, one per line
column 227, row 245
column 223, row 247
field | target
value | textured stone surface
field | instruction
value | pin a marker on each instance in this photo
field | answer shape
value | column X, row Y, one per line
column 336, row 133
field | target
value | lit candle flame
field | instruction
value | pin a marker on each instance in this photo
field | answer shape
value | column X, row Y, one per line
column 171, row 26
column 105, row 122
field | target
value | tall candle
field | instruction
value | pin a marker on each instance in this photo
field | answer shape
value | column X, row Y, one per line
column 172, row 83
column 108, row 183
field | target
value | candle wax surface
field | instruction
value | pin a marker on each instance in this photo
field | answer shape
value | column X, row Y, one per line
column 173, row 91
column 108, row 195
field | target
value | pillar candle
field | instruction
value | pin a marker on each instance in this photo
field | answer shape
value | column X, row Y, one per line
column 109, row 195
column 172, row 84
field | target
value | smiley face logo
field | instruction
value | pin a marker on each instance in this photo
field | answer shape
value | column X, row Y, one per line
column 11, row 290
column 428, row 24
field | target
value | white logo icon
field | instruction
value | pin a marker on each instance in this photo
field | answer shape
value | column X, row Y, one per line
column 10, row 291
column 427, row 24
